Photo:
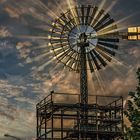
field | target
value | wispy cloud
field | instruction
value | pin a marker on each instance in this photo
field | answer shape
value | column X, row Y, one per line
column 4, row 32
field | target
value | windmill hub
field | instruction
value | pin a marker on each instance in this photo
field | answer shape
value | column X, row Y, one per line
column 83, row 38
column 83, row 34
column 83, row 42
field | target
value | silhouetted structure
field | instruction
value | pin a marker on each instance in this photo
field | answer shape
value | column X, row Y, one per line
column 58, row 117
column 84, row 38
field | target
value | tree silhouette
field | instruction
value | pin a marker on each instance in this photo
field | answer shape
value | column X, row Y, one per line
column 133, row 113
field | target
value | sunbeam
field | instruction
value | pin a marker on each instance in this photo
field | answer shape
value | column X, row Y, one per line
column 71, row 5
column 32, row 37
column 42, row 66
column 111, row 6
column 44, row 8
column 44, row 46
column 37, row 58
column 60, row 6
column 99, row 80
column 117, row 70
column 126, row 18
column 98, row 12
column 102, row 4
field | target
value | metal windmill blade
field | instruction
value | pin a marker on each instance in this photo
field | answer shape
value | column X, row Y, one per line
column 101, row 34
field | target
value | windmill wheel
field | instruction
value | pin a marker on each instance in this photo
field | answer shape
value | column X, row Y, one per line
column 101, row 32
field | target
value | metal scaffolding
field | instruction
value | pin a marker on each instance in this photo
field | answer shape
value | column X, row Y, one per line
column 59, row 117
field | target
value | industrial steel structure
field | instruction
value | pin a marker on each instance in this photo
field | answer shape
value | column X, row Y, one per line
column 84, row 38
column 59, row 117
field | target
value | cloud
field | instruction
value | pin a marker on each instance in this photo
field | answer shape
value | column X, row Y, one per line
column 25, row 100
column 4, row 32
column 12, row 12
column 23, row 44
column 17, row 120
column 2, row 1
column 9, row 90
column 122, row 86
column 135, row 51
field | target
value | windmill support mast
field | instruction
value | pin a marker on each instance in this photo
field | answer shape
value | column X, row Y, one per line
column 83, row 79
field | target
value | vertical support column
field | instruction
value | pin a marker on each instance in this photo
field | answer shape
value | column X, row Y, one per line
column 52, row 119
column 37, row 115
column 97, row 135
column 62, row 125
column 45, row 122
column 78, row 125
column 122, row 116
column 83, row 80
column 110, row 118
column 83, row 85
column 52, row 127
column 115, row 115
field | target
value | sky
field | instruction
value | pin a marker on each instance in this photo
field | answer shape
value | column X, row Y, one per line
column 28, row 71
